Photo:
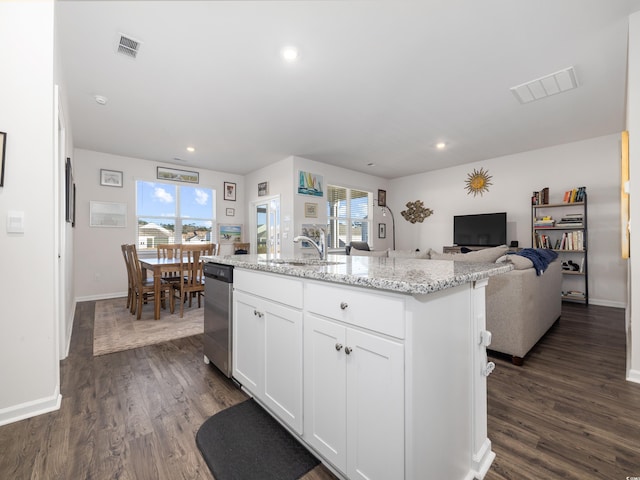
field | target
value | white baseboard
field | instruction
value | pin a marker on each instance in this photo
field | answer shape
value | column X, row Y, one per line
column 606, row 303
column 30, row 409
column 633, row 376
column 101, row 296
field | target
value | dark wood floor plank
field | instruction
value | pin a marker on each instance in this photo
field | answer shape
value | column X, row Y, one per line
column 567, row 413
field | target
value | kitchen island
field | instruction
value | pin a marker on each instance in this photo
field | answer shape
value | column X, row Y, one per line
column 377, row 364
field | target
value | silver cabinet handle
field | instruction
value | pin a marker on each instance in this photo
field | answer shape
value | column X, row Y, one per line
column 338, row 346
column 347, row 350
column 344, row 305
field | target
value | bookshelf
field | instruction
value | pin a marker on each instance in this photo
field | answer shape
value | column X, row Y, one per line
column 562, row 227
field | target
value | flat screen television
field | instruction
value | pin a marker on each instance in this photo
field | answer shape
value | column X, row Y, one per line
column 485, row 229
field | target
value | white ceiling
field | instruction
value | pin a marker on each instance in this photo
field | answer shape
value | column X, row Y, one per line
column 376, row 81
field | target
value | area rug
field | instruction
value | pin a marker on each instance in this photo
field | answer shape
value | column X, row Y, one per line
column 115, row 329
column 244, row 442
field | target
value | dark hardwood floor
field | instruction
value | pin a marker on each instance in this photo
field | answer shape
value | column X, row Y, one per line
column 567, row 413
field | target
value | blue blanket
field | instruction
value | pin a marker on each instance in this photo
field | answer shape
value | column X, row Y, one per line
column 541, row 257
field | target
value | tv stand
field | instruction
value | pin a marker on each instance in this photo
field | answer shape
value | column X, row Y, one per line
column 458, row 248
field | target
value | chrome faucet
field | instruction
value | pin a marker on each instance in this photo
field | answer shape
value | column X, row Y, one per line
column 321, row 248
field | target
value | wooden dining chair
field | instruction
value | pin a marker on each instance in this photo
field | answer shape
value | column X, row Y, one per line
column 192, row 283
column 130, row 286
column 169, row 251
column 144, row 288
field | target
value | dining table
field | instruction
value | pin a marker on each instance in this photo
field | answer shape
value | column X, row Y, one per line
column 159, row 266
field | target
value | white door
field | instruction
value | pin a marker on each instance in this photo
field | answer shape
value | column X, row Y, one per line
column 375, row 407
column 267, row 225
column 325, row 389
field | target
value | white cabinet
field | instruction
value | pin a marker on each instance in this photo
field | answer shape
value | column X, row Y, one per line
column 267, row 347
column 353, row 387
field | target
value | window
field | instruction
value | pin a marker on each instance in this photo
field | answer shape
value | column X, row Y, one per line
column 162, row 209
column 348, row 214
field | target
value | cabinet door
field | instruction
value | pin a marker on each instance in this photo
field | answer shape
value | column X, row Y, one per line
column 283, row 363
column 248, row 342
column 325, row 389
column 375, row 407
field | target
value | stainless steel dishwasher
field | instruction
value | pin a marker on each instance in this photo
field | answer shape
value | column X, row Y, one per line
column 218, row 314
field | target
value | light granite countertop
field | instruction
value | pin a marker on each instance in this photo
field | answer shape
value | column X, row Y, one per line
column 403, row 275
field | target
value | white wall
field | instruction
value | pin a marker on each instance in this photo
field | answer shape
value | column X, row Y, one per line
column 593, row 163
column 99, row 266
column 633, row 125
column 29, row 367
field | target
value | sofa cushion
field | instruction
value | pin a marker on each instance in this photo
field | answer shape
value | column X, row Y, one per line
column 408, row 254
column 372, row 253
column 519, row 262
column 487, row 255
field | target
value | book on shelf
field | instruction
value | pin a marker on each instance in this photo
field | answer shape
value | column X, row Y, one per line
column 541, row 197
column 575, row 195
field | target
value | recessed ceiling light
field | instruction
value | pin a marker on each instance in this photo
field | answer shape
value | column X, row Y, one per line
column 191, row 149
column 100, row 99
column 441, row 145
column 290, row 54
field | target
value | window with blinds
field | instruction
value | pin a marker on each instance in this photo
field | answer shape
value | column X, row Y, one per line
column 169, row 213
column 348, row 213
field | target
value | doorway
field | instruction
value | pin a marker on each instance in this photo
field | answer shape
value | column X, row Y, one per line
column 267, row 226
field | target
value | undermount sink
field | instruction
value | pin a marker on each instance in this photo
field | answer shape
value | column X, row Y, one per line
column 301, row 262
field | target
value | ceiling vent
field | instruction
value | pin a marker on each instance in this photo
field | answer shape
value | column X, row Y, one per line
column 128, row 46
column 553, row 84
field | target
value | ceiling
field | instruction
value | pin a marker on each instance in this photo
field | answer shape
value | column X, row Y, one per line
column 376, row 82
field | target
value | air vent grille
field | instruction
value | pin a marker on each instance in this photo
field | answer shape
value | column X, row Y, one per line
column 542, row 87
column 128, row 46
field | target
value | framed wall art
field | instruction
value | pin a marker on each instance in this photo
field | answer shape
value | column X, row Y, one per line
column 263, row 189
column 311, row 210
column 178, row 175
column 231, row 212
column 107, row 214
column 382, row 198
column 229, row 233
column 310, row 184
column 68, row 172
column 110, row 178
column 230, row 191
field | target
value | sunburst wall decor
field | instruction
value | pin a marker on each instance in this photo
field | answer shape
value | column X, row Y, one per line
column 478, row 182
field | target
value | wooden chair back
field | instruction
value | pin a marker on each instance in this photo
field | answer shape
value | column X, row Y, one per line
column 143, row 288
column 191, row 266
column 168, row 250
column 130, row 285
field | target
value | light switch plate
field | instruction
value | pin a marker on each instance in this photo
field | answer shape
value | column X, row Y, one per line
column 15, row 222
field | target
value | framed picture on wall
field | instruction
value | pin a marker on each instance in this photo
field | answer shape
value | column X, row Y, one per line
column 3, row 145
column 230, row 191
column 229, row 233
column 231, row 212
column 382, row 198
column 311, row 210
column 263, row 189
column 110, row 178
column 382, row 230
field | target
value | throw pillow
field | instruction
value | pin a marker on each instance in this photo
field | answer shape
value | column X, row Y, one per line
column 487, row 255
column 364, row 253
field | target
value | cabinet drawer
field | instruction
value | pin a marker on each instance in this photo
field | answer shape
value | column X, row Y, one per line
column 273, row 287
column 367, row 309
